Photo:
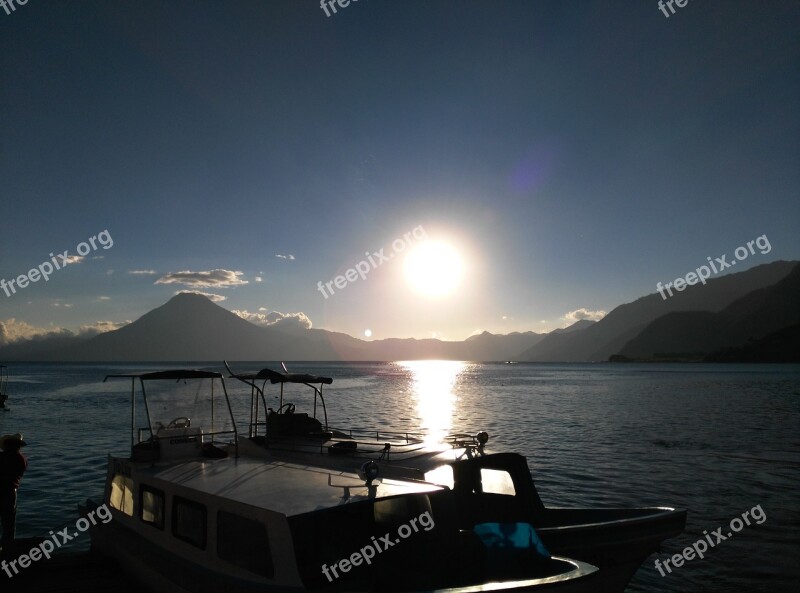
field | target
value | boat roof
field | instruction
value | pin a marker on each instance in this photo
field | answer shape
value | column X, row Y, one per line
column 276, row 377
column 176, row 374
column 290, row 489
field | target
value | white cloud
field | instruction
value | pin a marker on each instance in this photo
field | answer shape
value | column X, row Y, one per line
column 104, row 298
column 258, row 279
column 218, row 278
column 275, row 318
column 584, row 313
column 143, row 272
column 214, row 297
column 12, row 331
column 100, row 327
column 289, row 256
column 74, row 259
column 263, row 309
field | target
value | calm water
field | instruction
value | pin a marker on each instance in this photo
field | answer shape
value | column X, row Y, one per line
column 716, row 440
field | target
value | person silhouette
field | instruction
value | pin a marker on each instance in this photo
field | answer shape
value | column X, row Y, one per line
column 12, row 465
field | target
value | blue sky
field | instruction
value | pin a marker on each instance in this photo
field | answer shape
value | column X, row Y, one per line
column 573, row 153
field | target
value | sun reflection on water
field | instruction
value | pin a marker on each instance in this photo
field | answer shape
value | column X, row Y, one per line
column 433, row 387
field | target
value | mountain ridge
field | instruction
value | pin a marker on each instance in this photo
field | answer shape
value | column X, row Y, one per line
column 730, row 310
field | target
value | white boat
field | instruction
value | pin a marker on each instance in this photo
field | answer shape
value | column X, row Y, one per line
column 293, row 505
column 201, row 506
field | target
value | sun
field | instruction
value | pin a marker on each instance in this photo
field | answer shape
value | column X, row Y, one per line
column 434, row 268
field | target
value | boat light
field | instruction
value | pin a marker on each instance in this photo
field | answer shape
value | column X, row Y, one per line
column 370, row 471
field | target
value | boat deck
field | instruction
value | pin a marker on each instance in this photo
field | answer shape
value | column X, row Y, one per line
column 277, row 486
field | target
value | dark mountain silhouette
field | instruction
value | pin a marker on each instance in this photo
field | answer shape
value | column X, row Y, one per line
column 556, row 340
column 754, row 316
column 39, row 348
column 610, row 335
column 487, row 346
column 191, row 327
column 729, row 311
column 780, row 346
column 577, row 326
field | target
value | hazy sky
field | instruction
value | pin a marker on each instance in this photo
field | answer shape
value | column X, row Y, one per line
column 572, row 154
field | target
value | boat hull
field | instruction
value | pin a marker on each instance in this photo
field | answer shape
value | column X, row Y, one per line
column 161, row 571
column 615, row 540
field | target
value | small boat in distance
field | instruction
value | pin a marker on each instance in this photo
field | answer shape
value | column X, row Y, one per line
column 3, row 386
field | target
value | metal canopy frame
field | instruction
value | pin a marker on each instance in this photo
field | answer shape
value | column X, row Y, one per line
column 176, row 375
column 274, row 377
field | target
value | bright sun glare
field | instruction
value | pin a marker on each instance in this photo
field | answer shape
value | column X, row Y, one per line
column 434, row 268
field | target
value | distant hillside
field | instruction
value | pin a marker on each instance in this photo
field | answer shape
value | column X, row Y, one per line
column 39, row 348
column 191, row 327
column 781, row 346
column 729, row 311
column 577, row 326
column 488, row 346
column 611, row 334
column 753, row 316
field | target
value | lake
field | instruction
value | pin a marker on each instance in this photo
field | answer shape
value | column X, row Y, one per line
column 717, row 440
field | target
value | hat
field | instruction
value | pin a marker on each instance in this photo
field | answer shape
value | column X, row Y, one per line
column 11, row 437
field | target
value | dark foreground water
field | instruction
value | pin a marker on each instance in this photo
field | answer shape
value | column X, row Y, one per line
column 717, row 440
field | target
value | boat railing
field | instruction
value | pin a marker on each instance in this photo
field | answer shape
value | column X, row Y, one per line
column 207, row 437
column 365, row 435
column 370, row 436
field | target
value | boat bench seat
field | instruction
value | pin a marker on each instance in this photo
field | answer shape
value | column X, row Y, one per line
column 298, row 424
column 177, row 443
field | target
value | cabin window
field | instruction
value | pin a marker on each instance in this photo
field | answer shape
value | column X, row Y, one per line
column 189, row 521
column 244, row 543
column 392, row 512
column 122, row 494
column 495, row 481
column 442, row 475
column 151, row 505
